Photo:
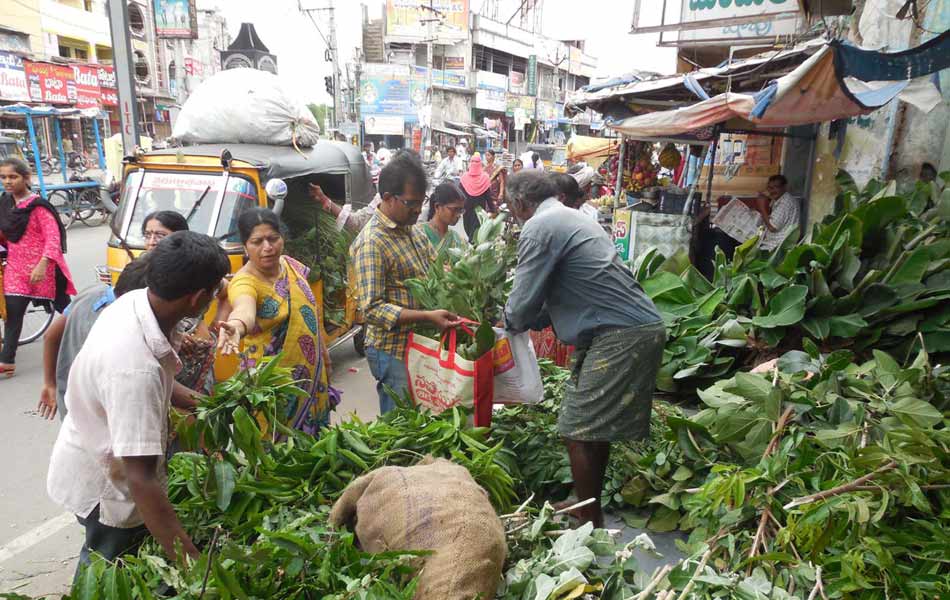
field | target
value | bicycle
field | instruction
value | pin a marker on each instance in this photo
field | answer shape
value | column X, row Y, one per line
column 79, row 204
column 37, row 319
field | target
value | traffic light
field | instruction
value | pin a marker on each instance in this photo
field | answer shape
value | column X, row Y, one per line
column 328, row 80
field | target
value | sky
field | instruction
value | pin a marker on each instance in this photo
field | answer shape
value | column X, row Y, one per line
column 288, row 33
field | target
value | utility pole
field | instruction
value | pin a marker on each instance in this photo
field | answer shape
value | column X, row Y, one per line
column 331, row 50
column 124, row 78
column 436, row 16
column 334, row 56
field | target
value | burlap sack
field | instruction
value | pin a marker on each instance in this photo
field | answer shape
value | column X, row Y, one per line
column 436, row 506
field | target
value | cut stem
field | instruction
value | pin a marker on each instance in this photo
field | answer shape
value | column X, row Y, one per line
column 841, row 489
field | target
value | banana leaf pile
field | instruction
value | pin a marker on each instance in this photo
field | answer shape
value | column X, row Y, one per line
column 873, row 275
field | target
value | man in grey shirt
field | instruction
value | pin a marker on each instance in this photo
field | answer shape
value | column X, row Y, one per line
column 570, row 276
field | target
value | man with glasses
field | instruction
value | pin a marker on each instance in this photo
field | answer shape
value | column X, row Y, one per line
column 387, row 252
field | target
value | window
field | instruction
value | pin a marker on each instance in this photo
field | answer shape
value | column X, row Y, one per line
column 143, row 73
column 482, row 58
column 136, row 20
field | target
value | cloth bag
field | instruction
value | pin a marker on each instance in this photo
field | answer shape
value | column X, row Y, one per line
column 517, row 375
column 435, row 506
column 440, row 379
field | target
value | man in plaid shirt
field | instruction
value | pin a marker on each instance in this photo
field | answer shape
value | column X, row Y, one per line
column 387, row 252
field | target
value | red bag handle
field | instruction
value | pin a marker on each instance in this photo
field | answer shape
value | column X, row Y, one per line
column 453, row 339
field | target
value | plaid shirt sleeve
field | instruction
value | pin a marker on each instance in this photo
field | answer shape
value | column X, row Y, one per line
column 371, row 285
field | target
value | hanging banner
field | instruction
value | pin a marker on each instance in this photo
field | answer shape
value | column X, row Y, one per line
column 525, row 103
column 409, row 20
column 547, row 112
column 106, row 75
column 386, row 90
column 455, row 63
column 516, row 83
column 88, row 92
column 53, row 84
column 384, row 125
column 13, row 78
column 440, row 78
column 176, row 19
column 491, row 91
column 532, row 75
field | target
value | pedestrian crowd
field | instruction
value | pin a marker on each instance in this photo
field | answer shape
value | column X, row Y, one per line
column 118, row 359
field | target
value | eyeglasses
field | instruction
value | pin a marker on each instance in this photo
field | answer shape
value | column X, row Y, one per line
column 459, row 210
column 155, row 235
column 409, row 205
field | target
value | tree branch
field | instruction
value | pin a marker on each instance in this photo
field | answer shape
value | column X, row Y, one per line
column 841, row 489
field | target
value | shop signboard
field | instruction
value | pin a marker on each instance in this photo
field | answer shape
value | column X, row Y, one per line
column 88, row 92
column 176, row 19
column 738, row 19
column 491, row 91
column 384, row 125
column 13, row 78
column 516, row 83
column 531, row 78
column 442, row 78
column 410, row 20
column 547, row 111
column 107, row 84
column 575, row 64
column 49, row 83
column 386, row 90
column 454, row 63
column 514, row 102
column 623, row 232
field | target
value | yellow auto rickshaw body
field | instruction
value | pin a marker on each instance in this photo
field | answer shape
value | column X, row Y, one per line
column 211, row 185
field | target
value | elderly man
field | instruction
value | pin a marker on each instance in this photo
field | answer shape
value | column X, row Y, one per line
column 779, row 211
column 569, row 275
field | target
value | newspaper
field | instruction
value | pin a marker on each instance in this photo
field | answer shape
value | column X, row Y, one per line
column 738, row 220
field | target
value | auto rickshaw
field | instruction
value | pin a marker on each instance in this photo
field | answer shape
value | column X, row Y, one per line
column 553, row 157
column 212, row 184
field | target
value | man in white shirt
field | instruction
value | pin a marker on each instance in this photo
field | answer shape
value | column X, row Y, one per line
column 108, row 463
column 383, row 154
column 451, row 166
column 779, row 211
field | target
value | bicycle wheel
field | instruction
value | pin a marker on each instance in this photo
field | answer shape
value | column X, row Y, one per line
column 39, row 315
column 87, row 208
column 62, row 201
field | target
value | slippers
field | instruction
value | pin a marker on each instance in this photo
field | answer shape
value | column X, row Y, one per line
column 6, row 370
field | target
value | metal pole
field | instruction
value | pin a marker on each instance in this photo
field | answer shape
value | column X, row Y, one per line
column 180, row 93
column 99, row 151
column 619, row 182
column 358, row 98
column 712, row 166
column 336, row 67
column 36, row 154
column 59, row 143
column 427, row 139
column 124, row 74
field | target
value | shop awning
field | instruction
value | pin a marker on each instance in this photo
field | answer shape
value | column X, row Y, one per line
column 450, row 131
column 624, row 97
column 591, row 149
column 49, row 111
column 830, row 85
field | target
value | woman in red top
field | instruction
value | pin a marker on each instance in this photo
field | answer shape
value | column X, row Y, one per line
column 35, row 241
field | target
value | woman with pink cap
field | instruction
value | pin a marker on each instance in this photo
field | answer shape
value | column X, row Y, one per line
column 477, row 188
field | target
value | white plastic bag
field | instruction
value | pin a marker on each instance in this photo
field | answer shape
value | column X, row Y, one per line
column 517, row 375
column 245, row 106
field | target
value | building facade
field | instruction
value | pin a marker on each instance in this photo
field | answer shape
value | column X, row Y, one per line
column 494, row 83
column 62, row 50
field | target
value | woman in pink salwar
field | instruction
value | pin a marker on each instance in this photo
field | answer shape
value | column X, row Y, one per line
column 36, row 268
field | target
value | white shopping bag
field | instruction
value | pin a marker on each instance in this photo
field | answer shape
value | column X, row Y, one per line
column 517, row 375
column 440, row 379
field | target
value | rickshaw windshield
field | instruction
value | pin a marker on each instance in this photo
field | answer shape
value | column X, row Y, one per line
column 196, row 196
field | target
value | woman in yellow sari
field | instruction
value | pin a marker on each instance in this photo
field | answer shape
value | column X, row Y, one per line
column 274, row 310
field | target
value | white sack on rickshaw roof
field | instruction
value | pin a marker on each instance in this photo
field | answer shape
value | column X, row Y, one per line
column 245, row 106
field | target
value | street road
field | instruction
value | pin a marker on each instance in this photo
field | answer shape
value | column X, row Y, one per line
column 39, row 542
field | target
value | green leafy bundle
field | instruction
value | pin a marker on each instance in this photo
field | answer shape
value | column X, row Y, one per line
column 873, row 275
column 473, row 283
column 825, row 464
column 326, row 251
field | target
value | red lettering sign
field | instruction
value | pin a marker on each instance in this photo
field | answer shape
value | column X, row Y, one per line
column 53, row 84
column 107, row 85
column 88, row 93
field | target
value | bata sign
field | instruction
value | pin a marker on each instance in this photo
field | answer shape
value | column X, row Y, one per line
column 87, row 86
column 13, row 78
column 51, row 83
